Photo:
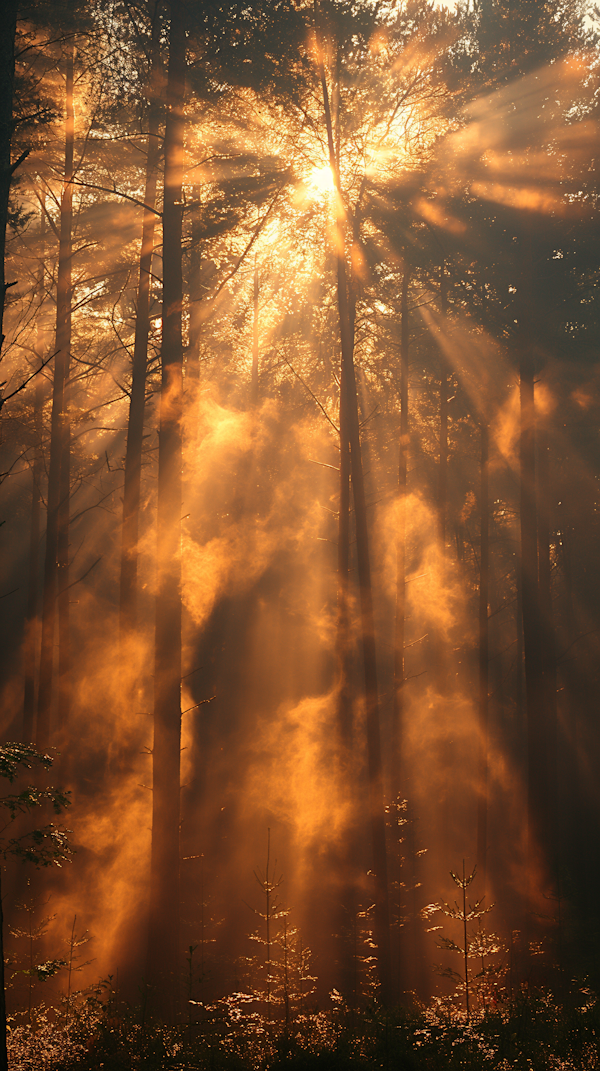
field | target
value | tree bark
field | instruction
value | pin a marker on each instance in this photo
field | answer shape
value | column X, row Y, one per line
column 532, row 646
column 3, row 1024
column 437, row 641
column 548, row 642
column 33, row 586
column 192, row 357
column 399, row 639
column 410, row 953
column 255, row 293
column 137, row 403
column 343, row 631
column 31, row 620
column 8, row 26
column 345, row 858
column 376, row 795
column 57, row 524
column 163, row 950
column 62, row 563
column 443, row 446
column 484, row 558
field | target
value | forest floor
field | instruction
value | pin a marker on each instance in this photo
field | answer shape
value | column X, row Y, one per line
column 533, row 1031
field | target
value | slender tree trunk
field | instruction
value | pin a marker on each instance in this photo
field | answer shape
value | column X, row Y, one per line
column 533, row 629
column 62, row 561
column 255, row 293
column 402, row 785
column 399, row 640
column 548, row 642
column 345, row 640
column 382, row 920
column 57, row 524
column 437, row 642
column 532, row 646
column 137, row 403
column 343, row 632
column 482, row 803
column 443, row 463
column 345, row 860
column 8, row 26
column 164, row 876
column 192, row 357
column 3, row 1051
column 519, row 667
column 33, row 587
column 376, row 796
column 443, row 446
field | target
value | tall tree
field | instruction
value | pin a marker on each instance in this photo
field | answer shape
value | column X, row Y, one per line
column 163, row 948
column 8, row 26
column 135, row 424
column 31, row 621
column 484, row 559
column 376, row 796
column 56, row 563
column 549, row 665
column 399, row 670
column 255, row 297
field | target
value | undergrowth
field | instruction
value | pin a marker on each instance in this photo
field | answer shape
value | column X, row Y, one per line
column 535, row 1031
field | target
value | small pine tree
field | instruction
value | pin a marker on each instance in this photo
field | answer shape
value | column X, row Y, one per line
column 32, row 933
column 478, row 945
column 72, row 964
column 293, row 982
column 269, row 883
column 43, row 846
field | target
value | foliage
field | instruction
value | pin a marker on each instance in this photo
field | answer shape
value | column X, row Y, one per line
column 45, row 845
column 477, row 944
column 425, row 181
column 43, row 971
column 537, row 1031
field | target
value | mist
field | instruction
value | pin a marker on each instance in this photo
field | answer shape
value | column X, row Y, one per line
column 299, row 518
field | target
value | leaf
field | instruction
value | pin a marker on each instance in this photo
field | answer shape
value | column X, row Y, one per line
column 14, row 755
column 450, row 945
column 48, row 846
column 43, row 971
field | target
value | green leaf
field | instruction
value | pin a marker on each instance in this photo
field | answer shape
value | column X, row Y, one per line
column 43, row 971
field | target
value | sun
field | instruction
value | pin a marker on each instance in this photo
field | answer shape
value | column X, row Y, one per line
column 321, row 179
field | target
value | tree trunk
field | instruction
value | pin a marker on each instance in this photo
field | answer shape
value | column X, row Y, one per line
column 8, row 26
column 31, row 620
column 57, row 524
column 382, row 919
column 343, row 632
column 410, row 954
column 192, row 357
column 33, row 586
column 62, row 562
column 437, row 642
column 255, row 292
column 3, row 1052
column 137, row 403
column 398, row 703
column 345, row 858
column 482, row 802
column 548, row 642
column 532, row 644
column 164, row 877
column 443, row 464
column 376, row 796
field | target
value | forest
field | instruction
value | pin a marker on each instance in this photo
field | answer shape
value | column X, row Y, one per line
column 299, row 517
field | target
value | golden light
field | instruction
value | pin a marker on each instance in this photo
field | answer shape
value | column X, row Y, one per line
column 321, row 179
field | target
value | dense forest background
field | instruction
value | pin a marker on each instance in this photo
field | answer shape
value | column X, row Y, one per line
column 300, row 464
